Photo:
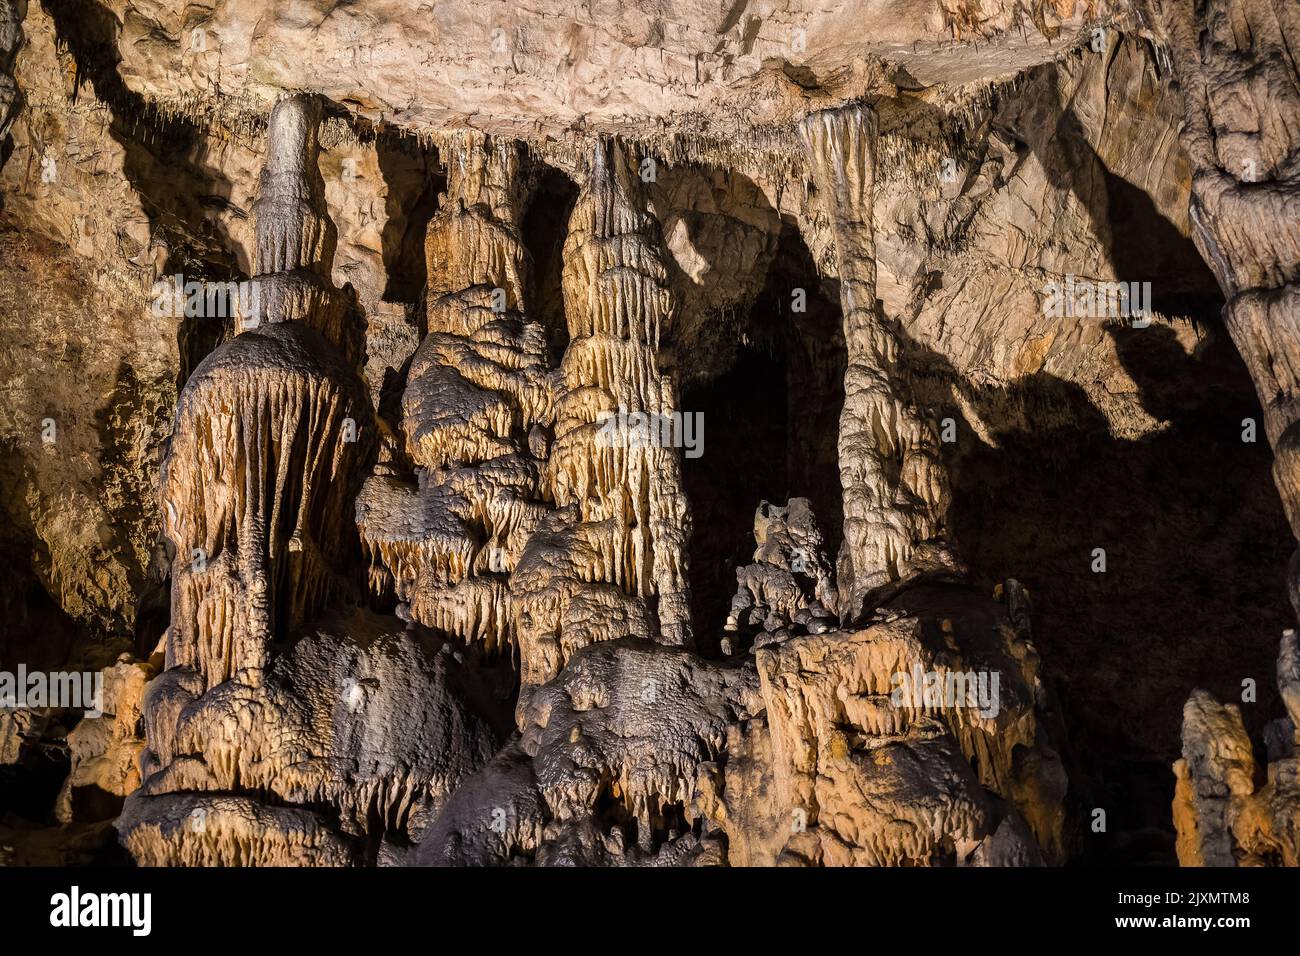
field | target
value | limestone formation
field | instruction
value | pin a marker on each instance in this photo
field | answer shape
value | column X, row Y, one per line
column 609, row 768
column 11, row 37
column 614, row 553
column 476, row 413
column 895, row 489
column 259, row 697
column 790, row 584
column 106, row 749
column 357, row 366
column 1235, row 62
column 905, row 742
column 1225, row 815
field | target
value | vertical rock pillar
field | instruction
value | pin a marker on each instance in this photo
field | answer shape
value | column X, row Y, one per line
column 613, row 558
column 476, row 412
column 270, row 431
column 895, row 488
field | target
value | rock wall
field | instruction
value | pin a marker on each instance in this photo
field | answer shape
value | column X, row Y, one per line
column 404, row 544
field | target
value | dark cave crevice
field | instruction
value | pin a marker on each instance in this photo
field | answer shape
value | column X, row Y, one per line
column 414, row 184
column 1196, row 546
column 743, row 464
column 771, row 422
column 545, row 228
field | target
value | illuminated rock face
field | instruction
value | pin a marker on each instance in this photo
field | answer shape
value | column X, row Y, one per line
column 1224, row 818
column 906, row 742
column 476, row 415
column 443, row 574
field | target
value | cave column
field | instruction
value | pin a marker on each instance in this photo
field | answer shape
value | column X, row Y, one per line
column 270, row 423
column 476, row 412
column 613, row 561
column 895, row 488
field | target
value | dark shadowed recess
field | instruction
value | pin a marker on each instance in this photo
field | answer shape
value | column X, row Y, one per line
column 1195, row 544
column 1195, row 538
column 414, row 182
column 770, row 426
column 545, row 228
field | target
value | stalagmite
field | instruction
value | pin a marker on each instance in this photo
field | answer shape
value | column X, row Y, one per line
column 476, row 414
column 617, row 546
column 262, row 697
column 106, row 750
column 422, row 531
column 790, row 585
column 271, row 428
column 895, row 488
column 256, row 491
column 1223, row 817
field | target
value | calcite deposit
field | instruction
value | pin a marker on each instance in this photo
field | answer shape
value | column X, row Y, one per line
column 698, row 434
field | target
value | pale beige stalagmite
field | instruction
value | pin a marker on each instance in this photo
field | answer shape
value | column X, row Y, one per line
column 790, row 587
column 255, row 489
column 295, row 237
column 895, row 488
column 1236, row 63
column 105, row 750
column 476, row 413
column 613, row 558
column 1223, row 818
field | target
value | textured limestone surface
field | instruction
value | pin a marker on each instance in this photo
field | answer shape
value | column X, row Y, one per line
column 693, row 434
column 1225, row 815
